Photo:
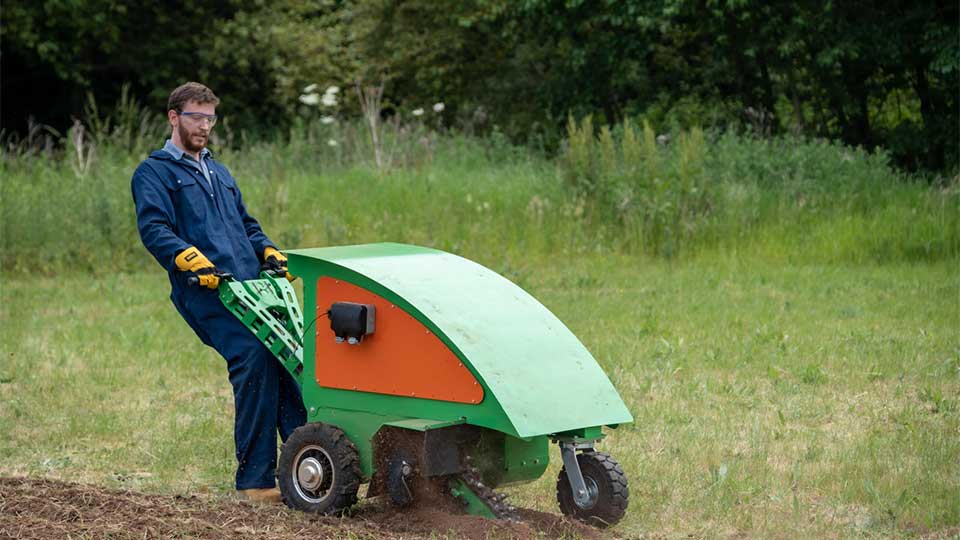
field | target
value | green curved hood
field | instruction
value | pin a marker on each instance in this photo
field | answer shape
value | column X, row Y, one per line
column 541, row 375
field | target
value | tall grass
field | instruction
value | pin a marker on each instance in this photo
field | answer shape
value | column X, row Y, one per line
column 624, row 190
column 786, row 198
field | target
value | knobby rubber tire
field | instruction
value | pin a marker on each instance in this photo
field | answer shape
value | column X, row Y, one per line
column 612, row 492
column 345, row 462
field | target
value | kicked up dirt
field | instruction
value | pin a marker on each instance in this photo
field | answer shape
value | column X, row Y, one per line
column 42, row 509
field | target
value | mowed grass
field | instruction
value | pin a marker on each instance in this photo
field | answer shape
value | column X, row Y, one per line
column 771, row 400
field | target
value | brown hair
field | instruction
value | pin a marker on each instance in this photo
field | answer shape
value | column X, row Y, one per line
column 191, row 91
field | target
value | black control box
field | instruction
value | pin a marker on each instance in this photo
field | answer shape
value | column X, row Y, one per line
column 350, row 322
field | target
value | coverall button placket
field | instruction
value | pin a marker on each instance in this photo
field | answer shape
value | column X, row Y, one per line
column 210, row 190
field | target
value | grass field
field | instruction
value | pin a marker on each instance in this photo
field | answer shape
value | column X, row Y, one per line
column 772, row 399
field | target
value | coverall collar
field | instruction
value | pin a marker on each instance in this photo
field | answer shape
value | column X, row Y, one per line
column 177, row 153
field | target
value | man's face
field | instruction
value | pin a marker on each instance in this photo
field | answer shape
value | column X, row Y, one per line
column 193, row 130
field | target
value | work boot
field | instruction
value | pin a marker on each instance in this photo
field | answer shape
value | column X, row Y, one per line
column 260, row 495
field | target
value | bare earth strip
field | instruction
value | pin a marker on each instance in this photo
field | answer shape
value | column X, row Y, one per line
column 41, row 509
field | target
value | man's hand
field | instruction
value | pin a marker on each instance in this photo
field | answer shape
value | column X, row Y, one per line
column 191, row 260
column 276, row 262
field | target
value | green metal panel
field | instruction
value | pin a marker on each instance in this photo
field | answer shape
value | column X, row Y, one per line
column 503, row 459
column 538, row 378
column 524, row 460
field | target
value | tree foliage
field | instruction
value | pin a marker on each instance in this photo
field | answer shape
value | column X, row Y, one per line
column 258, row 54
column 871, row 73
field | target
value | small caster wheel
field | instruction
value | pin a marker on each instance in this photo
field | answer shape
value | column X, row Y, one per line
column 607, row 488
column 319, row 470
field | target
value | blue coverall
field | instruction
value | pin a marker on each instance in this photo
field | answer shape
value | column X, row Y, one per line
column 177, row 208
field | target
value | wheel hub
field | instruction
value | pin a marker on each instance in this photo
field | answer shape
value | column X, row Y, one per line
column 593, row 492
column 310, row 474
column 313, row 475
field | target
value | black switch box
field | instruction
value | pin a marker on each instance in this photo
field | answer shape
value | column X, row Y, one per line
column 350, row 321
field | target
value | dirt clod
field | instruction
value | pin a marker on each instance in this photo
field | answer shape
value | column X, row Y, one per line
column 41, row 509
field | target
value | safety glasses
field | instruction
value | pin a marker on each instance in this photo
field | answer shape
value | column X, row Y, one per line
column 198, row 118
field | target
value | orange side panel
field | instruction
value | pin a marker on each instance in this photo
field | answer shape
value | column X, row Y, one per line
column 402, row 357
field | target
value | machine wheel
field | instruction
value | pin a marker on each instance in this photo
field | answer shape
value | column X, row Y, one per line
column 319, row 470
column 606, row 484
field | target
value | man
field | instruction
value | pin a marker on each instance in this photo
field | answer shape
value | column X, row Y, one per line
column 192, row 219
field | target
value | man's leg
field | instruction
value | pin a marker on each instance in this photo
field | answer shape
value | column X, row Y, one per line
column 255, row 381
column 266, row 399
column 291, row 414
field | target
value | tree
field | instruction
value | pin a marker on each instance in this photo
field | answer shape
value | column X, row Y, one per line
column 257, row 56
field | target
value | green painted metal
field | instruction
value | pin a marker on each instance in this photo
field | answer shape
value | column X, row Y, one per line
column 538, row 378
column 524, row 460
column 503, row 459
column 269, row 308
column 420, row 424
column 587, row 434
column 475, row 505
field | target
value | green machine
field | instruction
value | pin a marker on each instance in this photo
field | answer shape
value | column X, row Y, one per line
column 423, row 372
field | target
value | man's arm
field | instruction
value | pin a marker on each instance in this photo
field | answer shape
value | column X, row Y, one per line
column 156, row 217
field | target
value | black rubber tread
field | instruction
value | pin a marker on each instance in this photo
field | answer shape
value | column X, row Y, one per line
column 346, row 461
column 613, row 494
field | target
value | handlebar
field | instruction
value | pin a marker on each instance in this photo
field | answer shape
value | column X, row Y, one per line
column 194, row 280
column 227, row 276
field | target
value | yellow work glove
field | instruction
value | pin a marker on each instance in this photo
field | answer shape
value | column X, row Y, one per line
column 191, row 260
column 275, row 261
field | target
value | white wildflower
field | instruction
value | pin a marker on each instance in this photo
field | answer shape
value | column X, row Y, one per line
column 438, row 107
column 332, row 89
column 310, row 99
column 329, row 100
column 326, row 119
column 418, row 112
column 332, row 142
column 310, row 88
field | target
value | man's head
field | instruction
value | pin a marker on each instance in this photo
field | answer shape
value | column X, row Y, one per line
column 191, row 111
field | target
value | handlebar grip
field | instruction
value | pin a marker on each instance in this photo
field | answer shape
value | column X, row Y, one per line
column 193, row 281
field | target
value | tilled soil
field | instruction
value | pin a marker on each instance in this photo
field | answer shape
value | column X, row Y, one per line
column 35, row 508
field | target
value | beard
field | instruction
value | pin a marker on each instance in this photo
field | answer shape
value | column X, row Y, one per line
column 193, row 141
